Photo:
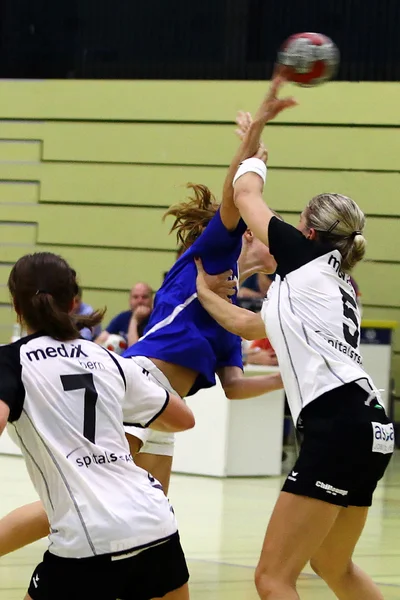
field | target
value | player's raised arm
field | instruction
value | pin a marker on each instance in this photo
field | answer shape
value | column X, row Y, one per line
column 248, row 181
column 269, row 108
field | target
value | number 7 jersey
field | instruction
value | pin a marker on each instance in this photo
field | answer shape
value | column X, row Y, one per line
column 312, row 318
column 68, row 402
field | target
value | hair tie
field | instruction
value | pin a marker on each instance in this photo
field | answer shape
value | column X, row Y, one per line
column 41, row 292
column 353, row 235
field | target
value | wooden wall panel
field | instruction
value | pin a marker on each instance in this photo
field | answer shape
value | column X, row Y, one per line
column 342, row 148
column 22, row 151
column 338, row 102
column 19, row 191
column 104, row 226
column 113, row 268
column 379, row 283
column 21, row 234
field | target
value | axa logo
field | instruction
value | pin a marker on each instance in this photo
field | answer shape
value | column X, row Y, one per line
column 383, row 433
column 73, row 351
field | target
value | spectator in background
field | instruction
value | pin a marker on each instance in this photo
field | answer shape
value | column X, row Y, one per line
column 131, row 323
column 81, row 308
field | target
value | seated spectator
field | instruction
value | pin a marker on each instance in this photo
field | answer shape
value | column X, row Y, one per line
column 81, row 308
column 131, row 323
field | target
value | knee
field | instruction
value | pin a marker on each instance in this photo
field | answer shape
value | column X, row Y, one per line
column 329, row 570
column 264, row 583
column 268, row 585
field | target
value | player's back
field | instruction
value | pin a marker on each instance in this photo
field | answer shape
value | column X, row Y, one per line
column 69, row 423
column 312, row 318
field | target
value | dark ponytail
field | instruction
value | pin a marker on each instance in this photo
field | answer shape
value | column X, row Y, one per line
column 43, row 287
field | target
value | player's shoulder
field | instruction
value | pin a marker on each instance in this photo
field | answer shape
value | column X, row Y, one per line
column 12, row 350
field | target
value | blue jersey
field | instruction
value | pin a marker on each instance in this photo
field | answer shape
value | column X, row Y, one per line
column 180, row 331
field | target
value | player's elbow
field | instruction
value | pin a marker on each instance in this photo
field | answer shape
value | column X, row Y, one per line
column 249, row 326
column 175, row 418
column 232, row 390
column 184, row 421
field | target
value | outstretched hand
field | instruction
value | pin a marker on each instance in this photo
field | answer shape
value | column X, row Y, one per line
column 223, row 285
column 272, row 105
column 244, row 121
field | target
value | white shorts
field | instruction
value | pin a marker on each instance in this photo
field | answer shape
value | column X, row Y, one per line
column 153, row 442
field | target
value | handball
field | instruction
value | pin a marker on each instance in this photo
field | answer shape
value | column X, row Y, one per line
column 308, row 59
column 115, row 343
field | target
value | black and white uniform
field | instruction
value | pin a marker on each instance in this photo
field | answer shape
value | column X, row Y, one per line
column 68, row 402
column 313, row 323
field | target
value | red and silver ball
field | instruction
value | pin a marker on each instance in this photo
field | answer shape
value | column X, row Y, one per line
column 309, row 59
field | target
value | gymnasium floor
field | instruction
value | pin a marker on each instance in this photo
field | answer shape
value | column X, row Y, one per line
column 222, row 523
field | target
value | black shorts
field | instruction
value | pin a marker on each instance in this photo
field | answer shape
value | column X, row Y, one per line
column 345, row 449
column 151, row 574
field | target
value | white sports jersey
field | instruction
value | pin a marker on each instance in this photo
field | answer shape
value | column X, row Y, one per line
column 312, row 318
column 68, row 402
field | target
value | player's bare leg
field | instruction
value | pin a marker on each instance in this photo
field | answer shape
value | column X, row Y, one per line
column 297, row 529
column 333, row 560
column 23, row 526
column 180, row 594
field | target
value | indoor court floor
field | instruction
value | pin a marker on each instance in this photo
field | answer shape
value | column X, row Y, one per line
column 222, row 524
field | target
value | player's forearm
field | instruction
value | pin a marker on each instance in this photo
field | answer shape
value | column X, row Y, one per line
column 23, row 526
column 247, row 148
column 253, row 210
column 243, row 388
column 237, row 320
column 133, row 335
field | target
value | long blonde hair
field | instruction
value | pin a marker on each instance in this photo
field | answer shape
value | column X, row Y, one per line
column 339, row 220
column 193, row 215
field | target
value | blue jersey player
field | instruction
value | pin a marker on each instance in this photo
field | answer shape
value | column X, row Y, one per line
column 183, row 348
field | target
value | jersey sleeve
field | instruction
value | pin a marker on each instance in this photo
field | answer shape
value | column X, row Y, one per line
column 144, row 400
column 11, row 388
column 216, row 237
column 290, row 248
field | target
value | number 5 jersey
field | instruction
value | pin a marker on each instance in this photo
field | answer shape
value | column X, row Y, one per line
column 312, row 318
column 68, row 402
